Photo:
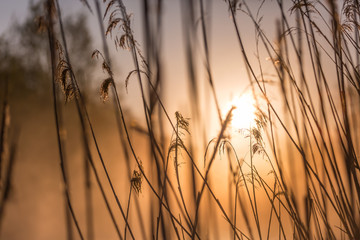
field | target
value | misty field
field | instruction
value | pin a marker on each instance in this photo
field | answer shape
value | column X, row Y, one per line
column 181, row 119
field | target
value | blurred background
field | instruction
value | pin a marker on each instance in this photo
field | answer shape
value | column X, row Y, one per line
column 170, row 42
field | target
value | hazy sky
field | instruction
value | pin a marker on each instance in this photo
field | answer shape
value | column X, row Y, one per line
column 11, row 11
column 229, row 75
column 228, row 70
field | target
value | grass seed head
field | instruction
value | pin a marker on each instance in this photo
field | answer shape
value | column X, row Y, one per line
column 104, row 89
column 136, row 179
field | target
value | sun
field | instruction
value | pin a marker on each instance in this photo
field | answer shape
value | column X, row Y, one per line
column 243, row 116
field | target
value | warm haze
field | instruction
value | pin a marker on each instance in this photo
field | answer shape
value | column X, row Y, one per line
column 179, row 119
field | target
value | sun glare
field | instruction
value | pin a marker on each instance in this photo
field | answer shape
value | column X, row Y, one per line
column 244, row 112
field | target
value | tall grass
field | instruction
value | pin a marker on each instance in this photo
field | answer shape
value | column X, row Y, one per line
column 298, row 177
column 8, row 145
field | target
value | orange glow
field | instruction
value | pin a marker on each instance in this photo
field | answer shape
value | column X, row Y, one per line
column 244, row 112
